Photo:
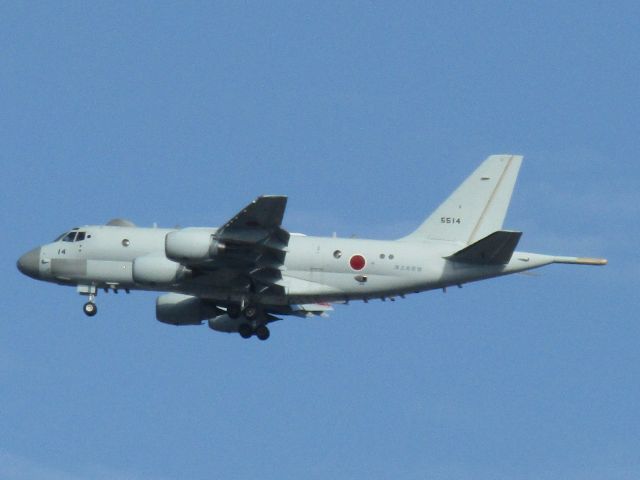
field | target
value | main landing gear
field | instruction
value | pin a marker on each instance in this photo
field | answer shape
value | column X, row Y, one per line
column 262, row 332
column 253, row 316
column 250, row 312
column 247, row 331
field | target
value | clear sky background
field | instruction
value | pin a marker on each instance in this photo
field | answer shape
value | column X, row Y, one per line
column 367, row 115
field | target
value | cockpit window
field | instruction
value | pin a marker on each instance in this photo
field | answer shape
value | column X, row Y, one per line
column 69, row 237
column 73, row 236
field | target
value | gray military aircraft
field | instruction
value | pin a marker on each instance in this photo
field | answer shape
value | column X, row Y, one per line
column 244, row 275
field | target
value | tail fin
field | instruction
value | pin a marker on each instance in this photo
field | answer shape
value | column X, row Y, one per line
column 477, row 207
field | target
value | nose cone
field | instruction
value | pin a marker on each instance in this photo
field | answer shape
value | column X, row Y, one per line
column 29, row 263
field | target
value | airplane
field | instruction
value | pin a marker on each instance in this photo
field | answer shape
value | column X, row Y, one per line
column 249, row 272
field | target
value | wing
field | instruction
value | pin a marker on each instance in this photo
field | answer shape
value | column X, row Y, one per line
column 253, row 245
column 264, row 213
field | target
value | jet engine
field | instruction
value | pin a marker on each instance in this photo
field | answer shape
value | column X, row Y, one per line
column 191, row 245
column 157, row 270
column 224, row 323
column 178, row 309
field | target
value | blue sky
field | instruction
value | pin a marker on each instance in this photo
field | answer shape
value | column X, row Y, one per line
column 366, row 114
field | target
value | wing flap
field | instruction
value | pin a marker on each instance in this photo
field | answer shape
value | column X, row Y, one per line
column 494, row 249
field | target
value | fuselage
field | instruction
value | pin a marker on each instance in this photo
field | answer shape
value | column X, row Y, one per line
column 251, row 271
column 316, row 269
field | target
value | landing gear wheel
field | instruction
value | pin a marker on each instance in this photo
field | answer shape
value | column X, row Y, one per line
column 250, row 313
column 262, row 332
column 233, row 311
column 90, row 309
column 245, row 330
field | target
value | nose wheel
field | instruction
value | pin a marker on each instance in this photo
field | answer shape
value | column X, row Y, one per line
column 90, row 309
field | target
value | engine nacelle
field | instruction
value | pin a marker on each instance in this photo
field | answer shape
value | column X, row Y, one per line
column 157, row 270
column 191, row 245
column 224, row 323
column 178, row 309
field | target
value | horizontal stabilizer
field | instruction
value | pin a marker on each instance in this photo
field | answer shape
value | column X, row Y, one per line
column 494, row 249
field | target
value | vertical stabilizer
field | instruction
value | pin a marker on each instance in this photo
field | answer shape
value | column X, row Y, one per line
column 477, row 207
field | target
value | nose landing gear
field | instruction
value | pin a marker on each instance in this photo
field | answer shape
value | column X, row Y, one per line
column 90, row 308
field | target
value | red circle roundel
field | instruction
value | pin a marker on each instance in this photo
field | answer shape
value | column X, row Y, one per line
column 357, row 262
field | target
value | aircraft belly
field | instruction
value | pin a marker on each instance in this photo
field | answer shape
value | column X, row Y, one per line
column 302, row 286
column 462, row 273
column 342, row 286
